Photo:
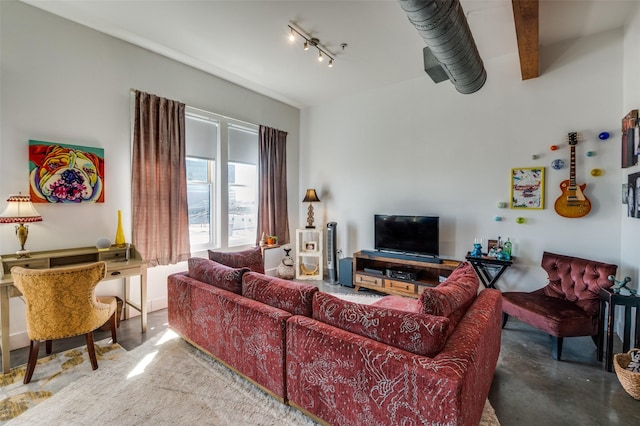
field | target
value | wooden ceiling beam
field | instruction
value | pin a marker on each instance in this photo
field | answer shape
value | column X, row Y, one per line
column 526, row 17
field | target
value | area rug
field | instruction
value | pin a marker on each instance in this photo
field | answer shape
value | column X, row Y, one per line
column 52, row 374
column 167, row 381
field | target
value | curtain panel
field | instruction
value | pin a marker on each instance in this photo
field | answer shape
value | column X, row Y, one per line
column 273, row 217
column 159, row 180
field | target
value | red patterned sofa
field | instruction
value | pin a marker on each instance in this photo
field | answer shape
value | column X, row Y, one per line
column 399, row 361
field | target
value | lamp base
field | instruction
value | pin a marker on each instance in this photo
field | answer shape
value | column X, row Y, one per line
column 23, row 253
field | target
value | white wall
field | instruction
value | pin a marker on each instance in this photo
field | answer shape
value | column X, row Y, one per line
column 63, row 82
column 421, row 148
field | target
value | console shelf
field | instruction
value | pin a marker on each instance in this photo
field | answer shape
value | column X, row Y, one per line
column 370, row 268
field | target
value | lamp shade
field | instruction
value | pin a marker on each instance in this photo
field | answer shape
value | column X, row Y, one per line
column 20, row 210
column 311, row 196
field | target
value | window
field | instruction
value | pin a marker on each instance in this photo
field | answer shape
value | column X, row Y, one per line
column 222, row 181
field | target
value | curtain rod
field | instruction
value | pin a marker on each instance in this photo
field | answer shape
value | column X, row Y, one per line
column 133, row 91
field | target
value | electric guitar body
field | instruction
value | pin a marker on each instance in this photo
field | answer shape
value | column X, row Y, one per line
column 572, row 203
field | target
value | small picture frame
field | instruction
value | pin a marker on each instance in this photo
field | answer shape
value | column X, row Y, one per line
column 310, row 246
column 527, row 188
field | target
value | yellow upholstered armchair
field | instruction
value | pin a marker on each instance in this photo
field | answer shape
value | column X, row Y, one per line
column 61, row 303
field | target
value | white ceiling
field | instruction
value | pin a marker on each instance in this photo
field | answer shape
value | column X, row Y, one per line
column 246, row 42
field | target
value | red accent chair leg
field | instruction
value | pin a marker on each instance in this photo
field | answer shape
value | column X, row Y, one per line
column 92, row 350
column 557, row 347
column 34, row 347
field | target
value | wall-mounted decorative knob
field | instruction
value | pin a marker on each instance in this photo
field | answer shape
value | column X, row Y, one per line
column 596, row 172
column 520, row 220
column 497, row 219
column 591, row 153
column 502, row 205
column 603, row 136
column 553, row 147
column 535, row 156
column 557, row 164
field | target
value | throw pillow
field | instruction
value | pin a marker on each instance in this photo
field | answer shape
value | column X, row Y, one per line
column 216, row 274
column 456, row 292
column 289, row 296
column 410, row 331
column 250, row 258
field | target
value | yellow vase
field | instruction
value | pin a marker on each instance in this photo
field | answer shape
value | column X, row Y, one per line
column 119, row 232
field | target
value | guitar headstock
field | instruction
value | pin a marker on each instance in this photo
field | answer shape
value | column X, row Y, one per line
column 572, row 138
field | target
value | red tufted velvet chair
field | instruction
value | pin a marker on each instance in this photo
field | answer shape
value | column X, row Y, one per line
column 568, row 305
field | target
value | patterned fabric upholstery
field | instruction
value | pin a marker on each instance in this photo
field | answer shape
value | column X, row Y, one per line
column 347, row 379
column 61, row 302
column 413, row 332
column 250, row 258
column 289, row 296
column 216, row 274
column 244, row 334
column 456, row 292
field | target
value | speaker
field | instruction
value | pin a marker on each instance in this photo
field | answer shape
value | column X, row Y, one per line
column 345, row 271
column 332, row 270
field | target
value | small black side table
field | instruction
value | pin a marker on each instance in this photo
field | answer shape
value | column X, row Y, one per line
column 628, row 301
column 483, row 264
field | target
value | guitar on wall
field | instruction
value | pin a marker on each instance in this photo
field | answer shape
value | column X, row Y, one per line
column 572, row 203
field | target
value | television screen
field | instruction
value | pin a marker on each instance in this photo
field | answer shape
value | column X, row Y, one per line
column 407, row 234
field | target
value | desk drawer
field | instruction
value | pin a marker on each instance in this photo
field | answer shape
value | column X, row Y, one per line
column 368, row 280
column 400, row 286
column 28, row 263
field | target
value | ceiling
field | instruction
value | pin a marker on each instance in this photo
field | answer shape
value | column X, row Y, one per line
column 246, row 42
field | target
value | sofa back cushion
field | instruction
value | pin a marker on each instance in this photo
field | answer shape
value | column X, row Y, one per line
column 577, row 280
column 410, row 331
column 295, row 298
column 216, row 274
column 454, row 295
column 250, row 258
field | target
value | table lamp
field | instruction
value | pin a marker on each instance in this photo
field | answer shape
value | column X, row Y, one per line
column 20, row 210
column 310, row 197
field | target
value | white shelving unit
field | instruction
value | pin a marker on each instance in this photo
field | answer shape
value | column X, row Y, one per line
column 309, row 254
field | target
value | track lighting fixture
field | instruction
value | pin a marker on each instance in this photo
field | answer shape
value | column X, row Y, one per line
column 311, row 42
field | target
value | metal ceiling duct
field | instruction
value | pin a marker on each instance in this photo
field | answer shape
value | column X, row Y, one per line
column 444, row 28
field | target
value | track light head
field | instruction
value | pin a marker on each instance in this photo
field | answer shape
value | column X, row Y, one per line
column 320, row 57
column 306, row 45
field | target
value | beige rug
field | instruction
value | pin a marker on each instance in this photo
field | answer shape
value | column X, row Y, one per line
column 166, row 381
column 52, row 374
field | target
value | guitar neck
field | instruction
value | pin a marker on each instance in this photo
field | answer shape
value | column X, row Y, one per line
column 572, row 168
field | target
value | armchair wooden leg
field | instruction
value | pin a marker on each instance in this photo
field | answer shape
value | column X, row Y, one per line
column 49, row 346
column 557, row 347
column 92, row 350
column 34, row 347
column 505, row 318
column 114, row 325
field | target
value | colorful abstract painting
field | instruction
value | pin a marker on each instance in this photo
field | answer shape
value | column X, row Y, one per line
column 527, row 188
column 60, row 173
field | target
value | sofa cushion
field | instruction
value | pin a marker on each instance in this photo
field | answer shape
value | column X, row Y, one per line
column 250, row 258
column 456, row 293
column 293, row 297
column 410, row 331
column 216, row 274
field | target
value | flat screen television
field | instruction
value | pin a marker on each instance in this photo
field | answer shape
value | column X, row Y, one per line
column 407, row 234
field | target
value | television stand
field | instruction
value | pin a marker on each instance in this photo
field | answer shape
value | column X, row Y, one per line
column 370, row 271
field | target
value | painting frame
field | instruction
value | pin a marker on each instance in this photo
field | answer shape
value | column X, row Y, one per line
column 633, row 195
column 65, row 173
column 527, row 186
column 310, row 246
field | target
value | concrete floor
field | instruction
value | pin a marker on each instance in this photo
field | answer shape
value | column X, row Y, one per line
column 529, row 387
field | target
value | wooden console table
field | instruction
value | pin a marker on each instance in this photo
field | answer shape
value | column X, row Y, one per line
column 483, row 264
column 370, row 271
column 119, row 266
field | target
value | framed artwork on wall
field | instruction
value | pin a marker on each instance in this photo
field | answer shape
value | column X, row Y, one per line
column 527, row 188
column 630, row 139
column 633, row 195
column 60, row 173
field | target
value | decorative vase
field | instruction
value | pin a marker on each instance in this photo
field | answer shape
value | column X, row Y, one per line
column 120, row 242
column 285, row 269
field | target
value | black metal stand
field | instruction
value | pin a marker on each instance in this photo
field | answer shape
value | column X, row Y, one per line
column 489, row 269
column 613, row 299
